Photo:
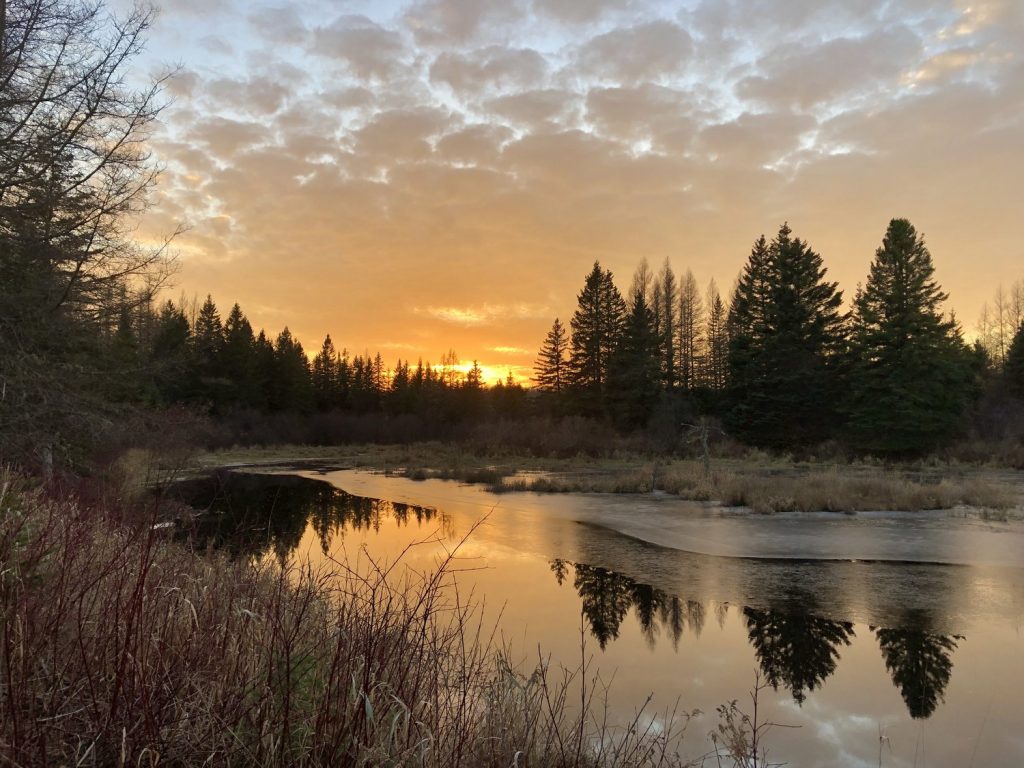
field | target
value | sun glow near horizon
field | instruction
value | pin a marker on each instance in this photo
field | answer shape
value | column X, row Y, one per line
column 443, row 176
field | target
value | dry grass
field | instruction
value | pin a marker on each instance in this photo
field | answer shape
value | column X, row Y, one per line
column 120, row 647
column 763, row 482
column 829, row 490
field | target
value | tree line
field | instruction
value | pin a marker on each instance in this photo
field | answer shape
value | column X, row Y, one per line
column 220, row 365
column 783, row 365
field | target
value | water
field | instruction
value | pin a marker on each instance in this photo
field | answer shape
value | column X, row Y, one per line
column 883, row 638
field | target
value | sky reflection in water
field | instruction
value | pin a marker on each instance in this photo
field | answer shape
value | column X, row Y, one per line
column 926, row 655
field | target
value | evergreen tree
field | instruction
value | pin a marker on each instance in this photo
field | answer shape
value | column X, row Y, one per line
column 169, row 354
column 716, row 360
column 634, row 373
column 124, row 363
column 691, row 315
column 596, row 329
column 290, row 387
column 207, row 348
column 265, row 364
column 550, row 369
column 666, row 300
column 911, row 378
column 324, row 376
column 1013, row 368
column 239, row 361
column 785, row 335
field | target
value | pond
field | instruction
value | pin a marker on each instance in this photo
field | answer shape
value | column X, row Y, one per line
column 883, row 639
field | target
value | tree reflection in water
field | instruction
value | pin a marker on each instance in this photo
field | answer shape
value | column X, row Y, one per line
column 796, row 648
column 250, row 515
column 920, row 664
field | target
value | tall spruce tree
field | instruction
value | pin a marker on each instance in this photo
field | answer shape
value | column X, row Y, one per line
column 634, row 373
column 324, row 376
column 785, row 335
column 911, row 377
column 550, row 369
column 239, row 363
column 207, row 354
column 596, row 329
column 1013, row 368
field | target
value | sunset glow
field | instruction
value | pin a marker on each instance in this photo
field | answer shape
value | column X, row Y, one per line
column 414, row 177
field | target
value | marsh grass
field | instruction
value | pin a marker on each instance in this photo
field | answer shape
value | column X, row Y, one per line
column 819, row 490
column 758, row 480
column 121, row 647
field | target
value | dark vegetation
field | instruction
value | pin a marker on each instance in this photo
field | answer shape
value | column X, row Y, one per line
column 123, row 647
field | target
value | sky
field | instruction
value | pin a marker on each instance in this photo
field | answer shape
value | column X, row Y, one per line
column 413, row 177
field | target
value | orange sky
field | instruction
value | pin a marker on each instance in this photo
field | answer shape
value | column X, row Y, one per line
column 413, row 177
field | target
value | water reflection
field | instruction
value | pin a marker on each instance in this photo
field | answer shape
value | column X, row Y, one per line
column 607, row 596
column 796, row 633
column 920, row 663
column 253, row 515
column 797, row 650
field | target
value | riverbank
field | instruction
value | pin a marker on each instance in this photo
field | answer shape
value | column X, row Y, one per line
column 758, row 481
column 123, row 647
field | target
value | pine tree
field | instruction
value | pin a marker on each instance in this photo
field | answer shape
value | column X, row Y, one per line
column 785, row 335
column 911, row 378
column 290, row 388
column 324, row 376
column 207, row 350
column 596, row 329
column 691, row 341
column 169, row 354
column 634, row 374
column 239, row 361
column 550, row 369
column 1013, row 368
column 716, row 363
column 666, row 300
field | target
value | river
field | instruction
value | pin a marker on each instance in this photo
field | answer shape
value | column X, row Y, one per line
column 882, row 638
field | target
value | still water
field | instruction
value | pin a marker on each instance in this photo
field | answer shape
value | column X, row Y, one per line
column 884, row 639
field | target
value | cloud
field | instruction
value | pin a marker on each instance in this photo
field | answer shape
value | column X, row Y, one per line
column 279, row 25
column 579, row 11
column 225, row 137
column 481, row 315
column 254, row 95
column 534, row 108
column 648, row 111
column 442, row 22
column 493, row 68
column 811, row 74
column 755, row 139
column 478, row 144
column 369, row 50
column 646, row 51
column 401, row 134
